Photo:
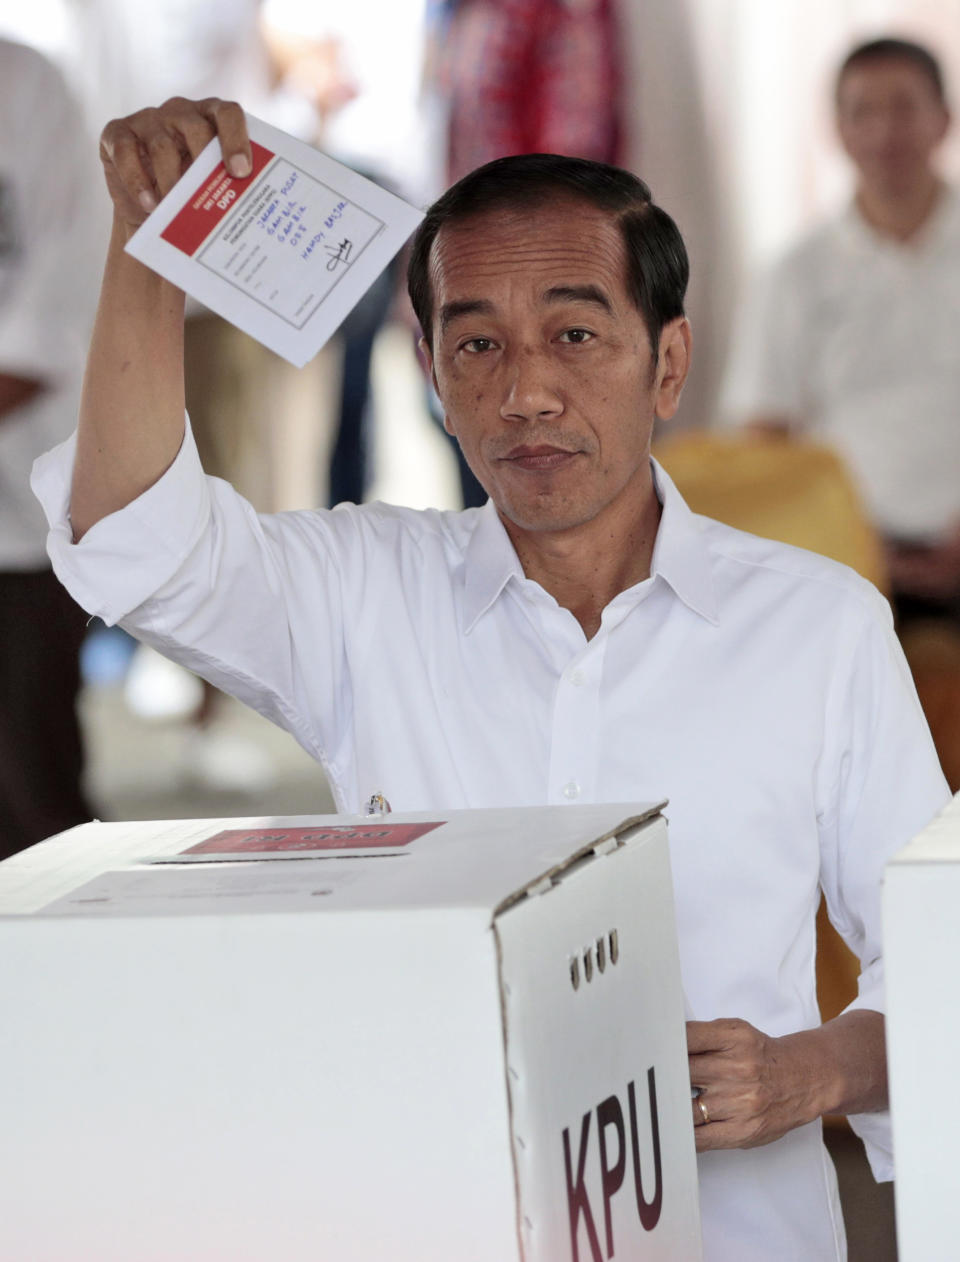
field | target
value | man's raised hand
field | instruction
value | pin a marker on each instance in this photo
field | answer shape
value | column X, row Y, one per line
column 145, row 154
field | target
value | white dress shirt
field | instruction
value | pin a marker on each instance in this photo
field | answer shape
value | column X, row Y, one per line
column 757, row 686
column 852, row 338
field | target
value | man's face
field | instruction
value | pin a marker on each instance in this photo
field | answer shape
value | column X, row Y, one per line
column 543, row 363
column 890, row 120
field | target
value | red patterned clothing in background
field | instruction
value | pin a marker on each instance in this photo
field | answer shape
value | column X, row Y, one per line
column 528, row 76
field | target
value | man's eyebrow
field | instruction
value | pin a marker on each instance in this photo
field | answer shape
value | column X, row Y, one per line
column 578, row 293
column 451, row 311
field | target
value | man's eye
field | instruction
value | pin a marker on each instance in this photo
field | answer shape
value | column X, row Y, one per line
column 476, row 345
column 576, row 336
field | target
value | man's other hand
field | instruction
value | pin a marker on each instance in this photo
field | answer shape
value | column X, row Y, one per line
column 145, row 154
column 754, row 1088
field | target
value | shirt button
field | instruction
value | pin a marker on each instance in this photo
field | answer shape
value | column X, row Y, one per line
column 571, row 790
column 577, row 678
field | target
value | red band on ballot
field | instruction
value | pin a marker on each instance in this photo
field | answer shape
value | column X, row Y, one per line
column 218, row 194
column 333, row 837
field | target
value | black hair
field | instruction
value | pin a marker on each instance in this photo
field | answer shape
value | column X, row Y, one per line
column 656, row 258
column 890, row 49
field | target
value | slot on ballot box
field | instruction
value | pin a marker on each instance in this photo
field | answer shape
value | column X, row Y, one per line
column 417, row 1037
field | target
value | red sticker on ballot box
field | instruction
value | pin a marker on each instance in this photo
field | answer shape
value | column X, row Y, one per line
column 333, row 837
column 215, row 197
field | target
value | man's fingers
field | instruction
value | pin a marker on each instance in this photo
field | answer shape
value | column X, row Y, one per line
column 707, row 1068
column 163, row 153
column 126, row 163
column 145, row 154
column 720, row 1135
column 705, row 1036
column 724, row 1035
column 230, row 123
column 190, row 124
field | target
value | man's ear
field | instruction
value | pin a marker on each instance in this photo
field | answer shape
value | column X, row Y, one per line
column 425, row 351
column 424, row 347
column 673, row 364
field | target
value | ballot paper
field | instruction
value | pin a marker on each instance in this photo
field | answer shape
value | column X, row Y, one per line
column 284, row 253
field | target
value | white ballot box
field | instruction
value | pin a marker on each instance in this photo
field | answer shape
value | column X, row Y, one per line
column 453, row 1036
column 921, row 916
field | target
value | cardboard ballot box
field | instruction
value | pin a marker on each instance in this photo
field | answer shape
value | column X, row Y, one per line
column 921, row 927
column 442, row 1036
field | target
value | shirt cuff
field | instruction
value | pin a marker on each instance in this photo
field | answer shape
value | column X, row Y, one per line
column 130, row 554
column 875, row 1131
column 871, row 992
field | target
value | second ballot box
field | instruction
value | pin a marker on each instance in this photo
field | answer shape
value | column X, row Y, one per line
column 921, row 930
column 407, row 1037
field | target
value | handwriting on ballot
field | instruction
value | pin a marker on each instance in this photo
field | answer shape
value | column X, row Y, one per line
column 279, row 235
column 283, row 253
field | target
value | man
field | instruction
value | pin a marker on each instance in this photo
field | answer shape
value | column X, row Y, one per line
column 852, row 339
column 582, row 637
column 47, row 242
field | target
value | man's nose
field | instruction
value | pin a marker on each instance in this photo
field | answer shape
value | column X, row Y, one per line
column 530, row 390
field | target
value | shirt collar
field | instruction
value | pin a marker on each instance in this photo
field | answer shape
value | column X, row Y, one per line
column 680, row 557
column 680, row 553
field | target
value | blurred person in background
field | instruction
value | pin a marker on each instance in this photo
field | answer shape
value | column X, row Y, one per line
column 851, row 338
column 48, row 284
column 366, row 92
column 527, row 76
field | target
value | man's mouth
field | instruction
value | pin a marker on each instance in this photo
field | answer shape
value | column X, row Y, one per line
column 541, row 457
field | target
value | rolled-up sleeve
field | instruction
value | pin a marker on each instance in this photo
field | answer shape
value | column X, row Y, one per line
column 251, row 603
column 882, row 784
column 129, row 555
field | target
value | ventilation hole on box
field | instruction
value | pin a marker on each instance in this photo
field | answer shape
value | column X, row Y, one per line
column 575, row 973
column 588, row 964
column 614, row 946
column 601, row 954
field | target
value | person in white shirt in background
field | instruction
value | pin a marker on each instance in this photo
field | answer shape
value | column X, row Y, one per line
column 851, row 337
column 48, row 282
column 582, row 638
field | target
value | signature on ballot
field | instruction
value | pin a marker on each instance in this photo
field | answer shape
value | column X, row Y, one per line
column 338, row 254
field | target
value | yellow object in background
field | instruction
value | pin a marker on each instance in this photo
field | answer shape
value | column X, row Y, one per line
column 791, row 490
